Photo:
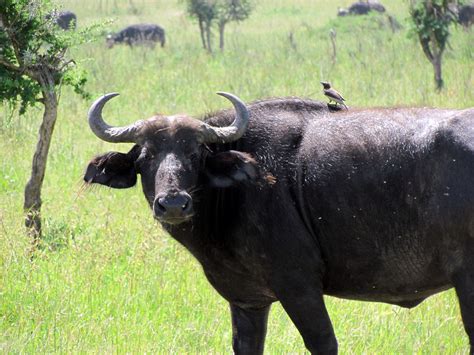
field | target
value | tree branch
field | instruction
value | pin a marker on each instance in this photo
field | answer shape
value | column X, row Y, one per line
column 12, row 67
column 66, row 64
column 425, row 45
column 15, row 44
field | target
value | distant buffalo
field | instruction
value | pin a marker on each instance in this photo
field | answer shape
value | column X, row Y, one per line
column 376, row 6
column 138, row 34
column 466, row 15
column 361, row 8
column 342, row 11
column 67, row 20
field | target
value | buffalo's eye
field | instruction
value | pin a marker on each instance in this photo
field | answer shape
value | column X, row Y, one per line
column 145, row 155
column 194, row 156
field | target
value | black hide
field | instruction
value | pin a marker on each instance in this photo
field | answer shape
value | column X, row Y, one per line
column 374, row 204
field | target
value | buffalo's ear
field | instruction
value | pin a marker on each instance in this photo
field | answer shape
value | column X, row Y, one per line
column 112, row 169
column 229, row 168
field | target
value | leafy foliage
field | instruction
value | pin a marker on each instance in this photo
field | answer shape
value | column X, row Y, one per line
column 233, row 10
column 33, row 66
column 432, row 18
column 30, row 43
column 202, row 9
column 210, row 12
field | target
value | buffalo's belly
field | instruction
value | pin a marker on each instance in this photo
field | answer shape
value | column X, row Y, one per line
column 406, row 299
column 385, row 282
column 391, row 264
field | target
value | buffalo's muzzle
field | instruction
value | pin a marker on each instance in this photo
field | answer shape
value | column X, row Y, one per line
column 173, row 208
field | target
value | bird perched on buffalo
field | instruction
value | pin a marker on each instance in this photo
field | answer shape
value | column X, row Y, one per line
column 332, row 94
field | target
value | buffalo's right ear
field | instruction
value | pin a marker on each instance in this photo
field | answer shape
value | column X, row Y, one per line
column 112, row 169
column 231, row 167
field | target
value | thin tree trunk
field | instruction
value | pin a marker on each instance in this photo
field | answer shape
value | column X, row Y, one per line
column 438, row 73
column 221, row 35
column 32, row 203
column 434, row 55
column 208, row 36
column 203, row 37
column 332, row 36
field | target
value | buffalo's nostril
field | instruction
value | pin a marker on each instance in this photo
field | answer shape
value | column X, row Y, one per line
column 185, row 205
column 160, row 204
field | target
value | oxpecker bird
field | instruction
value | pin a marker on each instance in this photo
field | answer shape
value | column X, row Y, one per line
column 332, row 94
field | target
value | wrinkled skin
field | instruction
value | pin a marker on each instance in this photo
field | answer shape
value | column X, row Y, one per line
column 373, row 205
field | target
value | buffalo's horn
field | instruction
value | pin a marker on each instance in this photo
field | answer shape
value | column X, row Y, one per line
column 235, row 130
column 126, row 134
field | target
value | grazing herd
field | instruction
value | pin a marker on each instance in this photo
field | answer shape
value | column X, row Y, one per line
column 139, row 34
column 464, row 13
column 151, row 34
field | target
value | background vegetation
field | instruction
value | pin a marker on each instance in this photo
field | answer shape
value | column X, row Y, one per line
column 107, row 278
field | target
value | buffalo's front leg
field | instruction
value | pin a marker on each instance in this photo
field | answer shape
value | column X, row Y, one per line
column 249, row 327
column 303, row 300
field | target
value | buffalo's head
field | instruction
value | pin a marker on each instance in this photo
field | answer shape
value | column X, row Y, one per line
column 109, row 41
column 172, row 156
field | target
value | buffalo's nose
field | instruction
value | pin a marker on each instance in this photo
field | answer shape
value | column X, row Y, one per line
column 173, row 206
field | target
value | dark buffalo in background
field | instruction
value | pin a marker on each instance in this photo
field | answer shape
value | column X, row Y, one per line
column 283, row 200
column 466, row 15
column 376, row 6
column 361, row 8
column 147, row 34
column 67, row 20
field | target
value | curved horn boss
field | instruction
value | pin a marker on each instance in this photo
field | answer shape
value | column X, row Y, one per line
column 125, row 134
column 235, row 130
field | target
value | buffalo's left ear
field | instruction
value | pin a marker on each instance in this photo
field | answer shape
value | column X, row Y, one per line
column 112, row 169
column 229, row 168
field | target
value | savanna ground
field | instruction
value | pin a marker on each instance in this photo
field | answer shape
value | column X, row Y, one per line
column 107, row 278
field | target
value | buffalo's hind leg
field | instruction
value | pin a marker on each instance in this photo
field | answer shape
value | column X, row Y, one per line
column 249, row 327
column 464, row 285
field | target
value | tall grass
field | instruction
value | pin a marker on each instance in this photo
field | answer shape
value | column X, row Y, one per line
column 107, row 278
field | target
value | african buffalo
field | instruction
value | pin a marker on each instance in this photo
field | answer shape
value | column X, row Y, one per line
column 362, row 8
column 466, row 15
column 138, row 34
column 67, row 20
column 285, row 200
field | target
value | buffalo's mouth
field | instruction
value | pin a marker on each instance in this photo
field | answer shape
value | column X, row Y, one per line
column 173, row 220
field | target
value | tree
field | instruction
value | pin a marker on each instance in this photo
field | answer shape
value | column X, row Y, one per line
column 431, row 21
column 204, row 12
column 231, row 10
column 33, row 67
column 208, row 12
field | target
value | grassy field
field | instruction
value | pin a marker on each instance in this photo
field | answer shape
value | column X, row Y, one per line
column 107, row 278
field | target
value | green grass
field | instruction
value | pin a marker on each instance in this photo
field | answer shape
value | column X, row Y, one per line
column 107, row 278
